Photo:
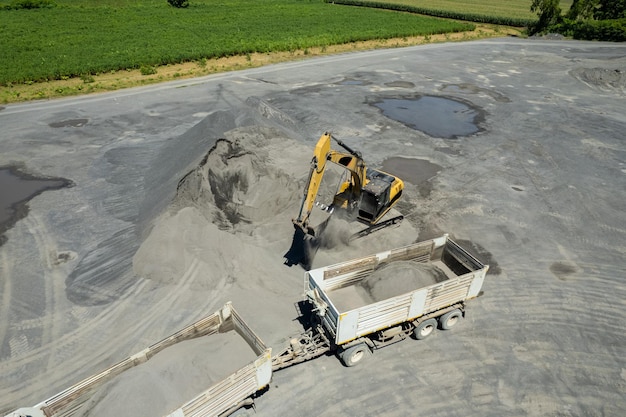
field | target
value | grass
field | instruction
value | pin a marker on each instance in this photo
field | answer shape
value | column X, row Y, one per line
column 92, row 37
column 500, row 8
column 85, row 46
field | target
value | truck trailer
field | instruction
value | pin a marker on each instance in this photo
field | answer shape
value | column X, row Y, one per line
column 222, row 397
column 352, row 320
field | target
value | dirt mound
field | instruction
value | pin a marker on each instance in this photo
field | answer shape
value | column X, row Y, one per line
column 602, row 78
column 238, row 183
column 399, row 278
column 186, row 247
column 234, row 205
column 171, row 378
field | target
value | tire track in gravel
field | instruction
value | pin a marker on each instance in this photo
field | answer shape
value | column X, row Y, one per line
column 5, row 304
column 70, row 372
column 52, row 279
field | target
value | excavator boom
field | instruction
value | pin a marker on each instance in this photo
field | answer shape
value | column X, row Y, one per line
column 318, row 165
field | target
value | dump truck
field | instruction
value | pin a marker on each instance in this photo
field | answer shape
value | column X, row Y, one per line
column 221, row 398
column 364, row 304
column 352, row 307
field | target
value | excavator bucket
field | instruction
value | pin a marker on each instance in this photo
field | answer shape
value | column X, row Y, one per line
column 304, row 246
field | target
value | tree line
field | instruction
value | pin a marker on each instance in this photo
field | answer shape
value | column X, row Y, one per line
column 586, row 19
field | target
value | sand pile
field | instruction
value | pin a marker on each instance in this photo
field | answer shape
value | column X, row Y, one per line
column 397, row 278
column 240, row 197
column 241, row 181
column 170, row 378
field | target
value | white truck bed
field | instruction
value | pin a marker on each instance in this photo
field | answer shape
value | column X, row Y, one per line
column 219, row 397
column 347, row 316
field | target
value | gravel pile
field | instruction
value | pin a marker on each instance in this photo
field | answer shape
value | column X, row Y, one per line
column 170, row 378
column 398, row 278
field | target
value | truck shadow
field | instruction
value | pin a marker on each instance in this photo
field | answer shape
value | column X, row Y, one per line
column 306, row 315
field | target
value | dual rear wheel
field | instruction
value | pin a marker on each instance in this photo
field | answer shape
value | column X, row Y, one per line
column 446, row 322
column 356, row 354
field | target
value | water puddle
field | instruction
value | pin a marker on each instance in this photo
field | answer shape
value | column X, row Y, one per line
column 413, row 170
column 436, row 116
column 17, row 188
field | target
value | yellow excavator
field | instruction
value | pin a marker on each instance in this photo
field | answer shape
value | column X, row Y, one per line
column 365, row 193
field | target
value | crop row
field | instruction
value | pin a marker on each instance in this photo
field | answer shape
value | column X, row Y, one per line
column 456, row 13
column 67, row 41
column 502, row 8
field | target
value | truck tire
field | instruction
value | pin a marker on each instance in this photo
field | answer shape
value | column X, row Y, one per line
column 450, row 319
column 425, row 329
column 355, row 354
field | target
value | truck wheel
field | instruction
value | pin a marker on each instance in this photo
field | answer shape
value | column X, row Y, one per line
column 450, row 319
column 355, row 354
column 425, row 329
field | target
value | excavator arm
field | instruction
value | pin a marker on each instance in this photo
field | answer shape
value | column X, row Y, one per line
column 318, row 165
column 349, row 191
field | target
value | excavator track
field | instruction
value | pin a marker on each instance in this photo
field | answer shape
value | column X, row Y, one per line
column 376, row 227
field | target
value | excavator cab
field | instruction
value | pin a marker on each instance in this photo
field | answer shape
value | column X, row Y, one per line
column 381, row 191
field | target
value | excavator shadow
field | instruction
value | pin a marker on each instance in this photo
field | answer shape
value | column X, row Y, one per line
column 304, row 246
column 303, row 249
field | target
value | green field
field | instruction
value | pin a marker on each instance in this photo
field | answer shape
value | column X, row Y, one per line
column 80, row 37
column 519, row 9
column 500, row 8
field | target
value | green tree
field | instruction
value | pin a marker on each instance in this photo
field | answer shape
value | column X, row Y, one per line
column 582, row 9
column 29, row 4
column 611, row 9
column 549, row 13
column 179, row 3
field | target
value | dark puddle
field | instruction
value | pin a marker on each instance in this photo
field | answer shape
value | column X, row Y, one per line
column 563, row 270
column 415, row 171
column 400, row 84
column 448, row 151
column 437, row 116
column 353, row 81
column 69, row 123
column 17, row 188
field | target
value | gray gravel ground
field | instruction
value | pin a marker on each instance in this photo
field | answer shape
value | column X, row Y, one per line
column 538, row 193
